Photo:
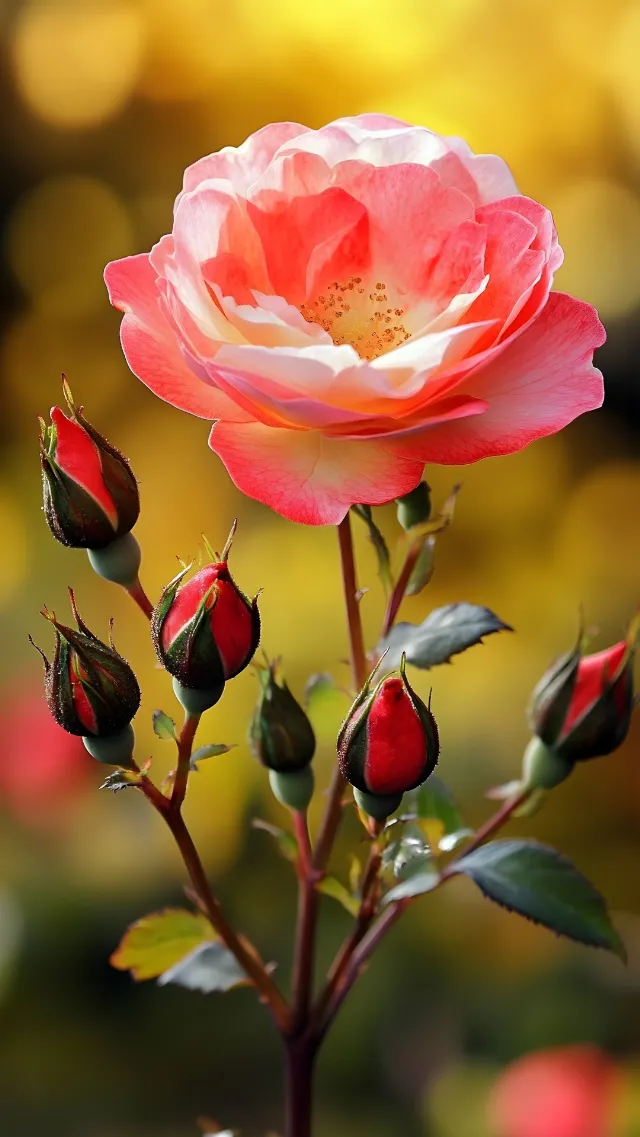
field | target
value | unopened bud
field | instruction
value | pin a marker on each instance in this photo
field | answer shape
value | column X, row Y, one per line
column 281, row 735
column 388, row 743
column 90, row 494
column 206, row 631
column 582, row 706
column 90, row 689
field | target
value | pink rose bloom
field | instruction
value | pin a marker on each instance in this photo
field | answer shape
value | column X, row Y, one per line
column 350, row 303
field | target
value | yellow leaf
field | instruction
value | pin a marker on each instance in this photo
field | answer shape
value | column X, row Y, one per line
column 157, row 942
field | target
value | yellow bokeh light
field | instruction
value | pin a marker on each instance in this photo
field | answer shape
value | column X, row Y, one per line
column 76, row 61
column 623, row 72
column 191, row 42
column 13, row 548
column 598, row 221
column 37, row 349
column 61, row 235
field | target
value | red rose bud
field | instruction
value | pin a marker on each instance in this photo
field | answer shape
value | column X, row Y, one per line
column 582, row 706
column 90, row 494
column 91, row 690
column 388, row 743
column 207, row 630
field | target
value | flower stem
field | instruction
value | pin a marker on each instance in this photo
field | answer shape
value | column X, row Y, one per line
column 185, row 746
column 139, row 596
column 366, row 913
column 367, row 945
column 304, row 954
column 397, row 596
column 300, row 1057
column 249, row 962
column 169, row 809
column 333, row 811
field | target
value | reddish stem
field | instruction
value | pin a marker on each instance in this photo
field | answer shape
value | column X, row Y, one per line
column 248, row 959
column 397, row 596
column 363, row 951
column 185, row 746
column 304, row 953
column 365, row 915
column 139, row 596
column 333, row 810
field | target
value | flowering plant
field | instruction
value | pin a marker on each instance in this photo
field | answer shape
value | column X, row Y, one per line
column 346, row 305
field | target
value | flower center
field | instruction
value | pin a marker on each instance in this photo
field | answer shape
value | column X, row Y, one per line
column 358, row 315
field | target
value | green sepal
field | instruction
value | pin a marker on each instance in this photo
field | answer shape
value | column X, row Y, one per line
column 280, row 733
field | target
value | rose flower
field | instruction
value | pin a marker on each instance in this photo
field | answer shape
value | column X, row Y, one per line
column 350, row 303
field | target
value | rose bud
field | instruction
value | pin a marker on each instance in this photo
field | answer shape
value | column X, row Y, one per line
column 282, row 738
column 90, row 494
column 91, row 690
column 388, row 744
column 205, row 632
column 580, row 709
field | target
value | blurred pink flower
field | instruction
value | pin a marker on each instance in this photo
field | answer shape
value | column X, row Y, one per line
column 41, row 766
column 352, row 302
column 568, row 1092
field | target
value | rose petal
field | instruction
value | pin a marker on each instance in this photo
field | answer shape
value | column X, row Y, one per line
column 307, row 477
column 538, row 384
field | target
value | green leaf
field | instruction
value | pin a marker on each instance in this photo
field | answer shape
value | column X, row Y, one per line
column 285, row 840
column 541, row 884
column 330, row 886
column 415, row 885
column 156, row 942
column 209, row 967
column 164, row 727
column 117, row 781
column 379, row 544
column 211, row 751
column 423, row 568
column 434, row 799
column 445, row 632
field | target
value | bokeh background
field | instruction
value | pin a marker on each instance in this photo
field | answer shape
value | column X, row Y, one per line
column 103, row 104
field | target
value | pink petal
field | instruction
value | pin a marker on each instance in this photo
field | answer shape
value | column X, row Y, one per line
column 307, row 477
column 310, row 236
column 410, row 215
column 241, row 165
column 539, row 383
column 150, row 345
column 490, row 173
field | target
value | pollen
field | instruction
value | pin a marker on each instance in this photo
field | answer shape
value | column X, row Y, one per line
column 358, row 316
